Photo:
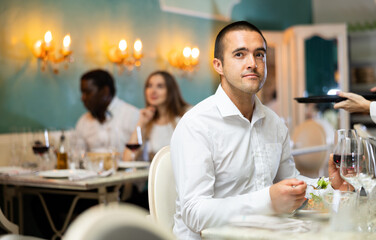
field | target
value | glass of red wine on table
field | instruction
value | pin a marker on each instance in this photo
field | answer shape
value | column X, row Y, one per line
column 134, row 146
column 42, row 149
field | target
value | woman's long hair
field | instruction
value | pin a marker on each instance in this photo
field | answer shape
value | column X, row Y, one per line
column 176, row 106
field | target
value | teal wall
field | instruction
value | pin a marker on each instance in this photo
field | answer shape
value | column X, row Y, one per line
column 31, row 98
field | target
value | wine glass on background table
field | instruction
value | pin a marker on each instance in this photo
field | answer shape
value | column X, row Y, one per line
column 134, row 146
column 43, row 149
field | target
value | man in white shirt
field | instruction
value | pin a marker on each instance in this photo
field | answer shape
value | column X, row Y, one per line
column 357, row 104
column 109, row 122
column 230, row 154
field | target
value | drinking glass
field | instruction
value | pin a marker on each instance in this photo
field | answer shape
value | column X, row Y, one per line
column 76, row 150
column 366, row 176
column 349, row 161
column 342, row 207
column 338, row 149
column 43, row 149
column 135, row 146
column 102, row 162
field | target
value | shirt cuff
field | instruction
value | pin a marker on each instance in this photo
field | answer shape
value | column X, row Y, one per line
column 372, row 111
column 261, row 202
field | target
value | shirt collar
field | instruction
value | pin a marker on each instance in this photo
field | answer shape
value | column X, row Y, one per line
column 111, row 107
column 227, row 107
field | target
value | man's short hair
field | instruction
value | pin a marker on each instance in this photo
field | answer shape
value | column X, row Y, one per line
column 240, row 25
column 100, row 78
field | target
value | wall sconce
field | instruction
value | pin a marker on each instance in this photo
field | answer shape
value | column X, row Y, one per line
column 185, row 60
column 44, row 50
column 121, row 56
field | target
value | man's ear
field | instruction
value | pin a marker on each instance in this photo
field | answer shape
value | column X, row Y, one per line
column 105, row 92
column 217, row 64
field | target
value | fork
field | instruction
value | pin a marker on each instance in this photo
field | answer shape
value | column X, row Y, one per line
column 316, row 188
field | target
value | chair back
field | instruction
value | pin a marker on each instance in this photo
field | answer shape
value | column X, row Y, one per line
column 116, row 222
column 7, row 225
column 162, row 191
column 315, row 139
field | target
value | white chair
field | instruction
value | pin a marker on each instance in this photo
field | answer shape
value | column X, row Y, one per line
column 162, row 191
column 313, row 143
column 13, row 229
column 116, row 222
column 7, row 225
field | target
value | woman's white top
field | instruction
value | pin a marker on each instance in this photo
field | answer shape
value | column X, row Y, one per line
column 160, row 136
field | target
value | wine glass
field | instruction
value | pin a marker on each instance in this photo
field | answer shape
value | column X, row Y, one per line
column 349, row 161
column 134, row 146
column 366, row 176
column 43, row 149
column 341, row 134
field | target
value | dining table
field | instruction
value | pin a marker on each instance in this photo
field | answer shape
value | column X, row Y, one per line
column 283, row 227
column 104, row 189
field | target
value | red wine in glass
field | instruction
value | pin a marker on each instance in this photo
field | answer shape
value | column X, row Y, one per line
column 337, row 159
column 38, row 148
column 133, row 146
column 350, row 159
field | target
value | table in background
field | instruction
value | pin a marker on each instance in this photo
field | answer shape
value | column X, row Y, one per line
column 104, row 189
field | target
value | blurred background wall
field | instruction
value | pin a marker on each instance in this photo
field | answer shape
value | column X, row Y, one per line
column 31, row 98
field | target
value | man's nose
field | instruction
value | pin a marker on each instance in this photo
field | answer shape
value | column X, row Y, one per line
column 251, row 62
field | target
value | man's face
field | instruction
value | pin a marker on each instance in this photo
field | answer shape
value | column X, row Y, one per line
column 92, row 97
column 243, row 69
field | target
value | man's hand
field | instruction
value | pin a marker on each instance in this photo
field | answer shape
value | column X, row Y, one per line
column 354, row 103
column 287, row 195
column 335, row 177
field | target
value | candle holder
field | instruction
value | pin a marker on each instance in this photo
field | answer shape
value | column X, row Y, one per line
column 120, row 55
column 185, row 60
column 45, row 51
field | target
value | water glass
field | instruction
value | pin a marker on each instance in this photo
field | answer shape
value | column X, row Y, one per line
column 343, row 209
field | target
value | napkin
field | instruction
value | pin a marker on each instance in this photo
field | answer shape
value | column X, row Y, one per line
column 81, row 175
column 272, row 223
column 13, row 171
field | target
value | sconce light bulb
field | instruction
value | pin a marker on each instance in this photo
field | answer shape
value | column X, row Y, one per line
column 187, row 52
column 195, row 52
column 67, row 41
column 137, row 45
column 48, row 37
column 122, row 45
column 38, row 48
column 38, row 44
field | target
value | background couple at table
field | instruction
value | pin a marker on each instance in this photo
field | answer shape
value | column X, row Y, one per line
column 111, row 123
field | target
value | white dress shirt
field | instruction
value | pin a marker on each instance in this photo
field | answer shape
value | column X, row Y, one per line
column 114, row 132
column 224, row 164
column 372, row 111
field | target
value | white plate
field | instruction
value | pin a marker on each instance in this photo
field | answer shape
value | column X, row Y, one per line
column 62, row 173
column 312, row 214
column 12, row 170
column 133, row 164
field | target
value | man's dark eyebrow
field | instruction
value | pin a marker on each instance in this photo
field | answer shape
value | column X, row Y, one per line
column 261, row 49
column 240, row 49
column 246, row 49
